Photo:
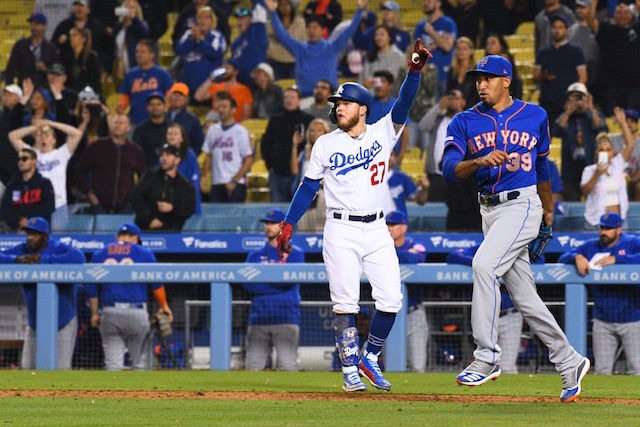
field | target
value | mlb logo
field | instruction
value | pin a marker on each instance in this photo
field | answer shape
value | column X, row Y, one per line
column 16, row 196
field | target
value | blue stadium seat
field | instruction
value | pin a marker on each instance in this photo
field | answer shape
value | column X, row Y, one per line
column 74, row 223
column 633, row 223
column 433, row 223
column 231, row 224
column 568, row 223
column 221, row 209
column 195, row 223
column 634, row 209
column 428, row 209
column 574, row 208
column 111, row 223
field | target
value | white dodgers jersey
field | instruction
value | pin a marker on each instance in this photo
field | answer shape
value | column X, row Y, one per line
column 354, row 169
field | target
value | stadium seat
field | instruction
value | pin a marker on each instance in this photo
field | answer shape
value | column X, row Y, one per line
column 526, row 28
column 195, row 223
column 633, row 223
column 222, row 209
column 74, row 223
column 230, row 223
column 111, row 223
column 285, row 83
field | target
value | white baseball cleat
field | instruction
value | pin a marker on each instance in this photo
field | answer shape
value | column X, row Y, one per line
column 478, row 373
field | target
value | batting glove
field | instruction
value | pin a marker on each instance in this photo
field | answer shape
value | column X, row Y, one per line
column 419, row 57
column 283, row 239
column 537, row 247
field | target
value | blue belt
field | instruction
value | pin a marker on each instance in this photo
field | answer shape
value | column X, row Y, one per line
column 508, row 311
column 494, row 199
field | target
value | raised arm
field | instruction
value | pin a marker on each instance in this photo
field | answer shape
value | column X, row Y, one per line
column 16, row 137
column 73, row 135
column 292, row 45
column 626, row 133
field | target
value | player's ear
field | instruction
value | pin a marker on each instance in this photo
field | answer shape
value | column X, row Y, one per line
column 506, row 81
column 363, row 110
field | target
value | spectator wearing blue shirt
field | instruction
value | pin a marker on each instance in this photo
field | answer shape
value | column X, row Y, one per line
column 250, row 48
column 402, row 188
column 178, row 99
column 438, row 33
column 316, row 58
column 124, row 320
column 42, row 249
column 274, row 317
column 188, row 167
column 410, row 252
column 201, row 49
column 363, row 39
column 616, row 310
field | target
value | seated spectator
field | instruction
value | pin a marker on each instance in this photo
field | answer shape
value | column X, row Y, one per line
column 178, row 113
column 201, row 49
column 578, row 127
column 188, row 167
column 616, row 308
column 274, row 317
column 28, row 193
column 187, row 17
column 56, row 11
column 57, row 78
column 31, row 56
column 402, row 189
column 618, row 140
column 11, row 116
column 52, row 161
column 227, row 81
column 112, row 163
column 279, row 58
column 150, row 135
column 435, row 124
column 582, row 35
column 604, row 183
column 40, row 248
column 316, row 58
column 229, row 154
column 329, row 12
column 81, row 63
column 557, row 66
column 129, row 30
column 466, row 14
column 457, row 77
column 43, row 105
column 277, row 143
column 497, row 45
column 384, row 56
column 267, row 95
column 124, row 320
column 364, row 39
column 250, row 47
column 163, row 199
column 543, row 21
column 320, row 108
column 140, row 81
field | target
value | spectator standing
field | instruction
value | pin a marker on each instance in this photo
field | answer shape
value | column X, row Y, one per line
column 274, row 316
column 31, row 56
column 604, row 183
column 497, row 45
column 457, row 77
column 616, row 309
column 279, row 58
column 57, row 78
column 128, row 31
column 155, row 13
column 384, row 56
column 40, row 248
column 250, row 48
column 112, row 164
column 81, row 64
column 466, row 14
column 150, row 135
column 557, row 66
column 316, row 58
column 187, row 17
column 124, row 322
column 543, row 22
column 10, row 118
column 438, row 33
column 267, row 95
column 618, row 141
column 28, row 193
column 581, row 34
column 178, row 113
column 163, row 199
column 410, row 252
column 320, row 108
column 140, row 81
column 228, row 82
column 277, row 143
column 578, row 127
column 425, row 98
column 56, row 11
column 201, row 49
column 229, row 154
column 329, row 11
column 188, row 167
column 363, row 39
column 497, row 16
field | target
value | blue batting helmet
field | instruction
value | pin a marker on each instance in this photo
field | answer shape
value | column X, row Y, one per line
column 350, row 91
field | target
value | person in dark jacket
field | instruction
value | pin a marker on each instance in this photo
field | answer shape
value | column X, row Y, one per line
column 276, row 145
column 129, row 30
column 80, row 62
column 28, row 193
column 164, row 199
column 178, row 100
column 151, row 133
column 42, row 249
column 112, row 163
column 10, row 118
column 31, row 56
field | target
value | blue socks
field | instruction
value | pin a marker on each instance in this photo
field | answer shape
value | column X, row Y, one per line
column 381, row 325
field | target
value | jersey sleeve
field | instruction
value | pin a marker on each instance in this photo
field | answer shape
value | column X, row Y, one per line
column 244, row 144
column 545, row 137
column 208, row 140
column 456, row 135
column 386, row 130
column 316, row 167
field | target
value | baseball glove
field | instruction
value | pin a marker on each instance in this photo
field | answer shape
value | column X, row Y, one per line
column 537, row 246
column 162, row 324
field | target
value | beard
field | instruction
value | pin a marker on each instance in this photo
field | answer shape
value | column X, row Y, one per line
column 346, row 124
column 606, row 240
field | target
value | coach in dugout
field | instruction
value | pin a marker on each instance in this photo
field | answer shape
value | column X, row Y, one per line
column 42, row 249
column 616, row 309
column 274, row 317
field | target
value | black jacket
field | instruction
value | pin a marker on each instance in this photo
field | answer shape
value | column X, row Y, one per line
column 9, row 120
column 25, row 199
column 277, row 140
column 151, row 136
column 157, row 186
column 22, row 63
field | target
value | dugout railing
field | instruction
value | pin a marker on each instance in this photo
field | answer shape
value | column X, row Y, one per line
column 220, row 276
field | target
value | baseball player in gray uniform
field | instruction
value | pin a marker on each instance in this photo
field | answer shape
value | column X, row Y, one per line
column 504, row 143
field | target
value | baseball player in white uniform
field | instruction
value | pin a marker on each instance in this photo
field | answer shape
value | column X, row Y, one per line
column 353, row 161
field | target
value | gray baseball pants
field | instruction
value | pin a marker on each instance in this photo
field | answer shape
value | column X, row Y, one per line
column 125, row 329
column 605, row 345
column 509, row 337
column 66, row 344
column 417, row 337
column 262, row 338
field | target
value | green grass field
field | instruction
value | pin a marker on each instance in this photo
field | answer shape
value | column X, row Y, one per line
column 311, row 398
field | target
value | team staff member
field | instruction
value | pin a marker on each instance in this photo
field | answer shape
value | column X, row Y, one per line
column 410, row 252
column 124, row 322
column 504, row 143
column 353, row 160
column 616, row 310
column 42, row 249
column 274, row 318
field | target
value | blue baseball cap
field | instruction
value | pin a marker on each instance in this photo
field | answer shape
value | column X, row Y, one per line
column 37, row 17
column 129, row 228
column 562, row 18
column 156, row 94
column 630, row 113
column 396, row 217
column 610, row 220
column 273, row 215
column 495, row 65
column 37, row 223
